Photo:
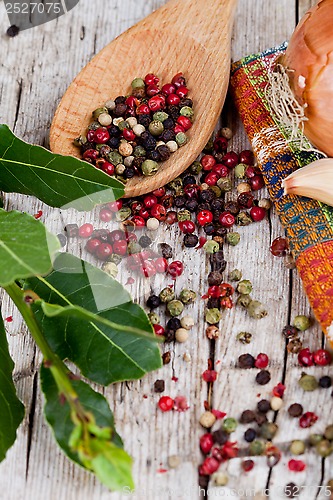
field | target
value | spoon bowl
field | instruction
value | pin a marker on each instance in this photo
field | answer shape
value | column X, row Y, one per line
column 188, row 36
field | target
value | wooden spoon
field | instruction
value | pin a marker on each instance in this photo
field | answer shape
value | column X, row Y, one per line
column 189, row 36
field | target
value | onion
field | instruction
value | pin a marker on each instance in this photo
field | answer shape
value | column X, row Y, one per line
column 309, row 65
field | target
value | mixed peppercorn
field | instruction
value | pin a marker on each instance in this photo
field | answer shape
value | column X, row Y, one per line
column 132, row 134
column 195, row 202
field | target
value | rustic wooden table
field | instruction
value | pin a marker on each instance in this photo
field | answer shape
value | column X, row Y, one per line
column 36, row 68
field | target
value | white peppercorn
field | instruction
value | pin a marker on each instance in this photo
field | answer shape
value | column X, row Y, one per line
column 276, row 403
column 138, row 129
column 181, row 335
column 105, row 119
column 207, row 419
column 172, row 145
column 132, row 121
column 152, row 224
column 187, row 322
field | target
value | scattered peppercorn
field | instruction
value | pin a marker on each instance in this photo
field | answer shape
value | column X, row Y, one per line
column 295, row 410
column 247, row 417
column 246, row 361
column 159, row 386
column 301, row 322
column 325, row 382
column 263, row 406
column 263, row 377
column 250, row 435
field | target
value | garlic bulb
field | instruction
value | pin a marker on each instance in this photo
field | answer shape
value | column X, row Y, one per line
column 314, row 181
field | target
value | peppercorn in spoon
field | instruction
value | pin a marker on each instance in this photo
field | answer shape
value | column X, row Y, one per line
column 191, row 36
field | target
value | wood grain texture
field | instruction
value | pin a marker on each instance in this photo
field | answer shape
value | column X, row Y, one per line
column 187, row 36
column 36, row 69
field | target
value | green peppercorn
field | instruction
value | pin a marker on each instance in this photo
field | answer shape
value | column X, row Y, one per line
column 160, row 116
column 138, row 83
column 176, row 185
column 133, row 247
column 212, row 316
column 156, row 127
column 268, row 430
column 110, row 268
column 243, row 219
column 224, row 183
column 256, row 309
column 115, row 258
column 314, row 439
column 123, row 213
column 244, row 287
column 154, row 318
column 233, row 238
column 229, row 425
column 240, row 170
column 235, row 275
column 308, row 382
column 114, row 158
column 244, row 300
column 324, row 448
column 149, row 167
column 328, row 434
column 301, row 322
column 139, row 152
column 244, row 337
column 175, row 307
column 216, row 190
column 99, row 111
column 183, row 215
column 211, row 246
column 297, row 447
column 122, row 125
column 94, row 125
column 181, row 139
column 167, row 294
column 187, row 296
column 256, row 448
column 195, row 168
column 209, row 146
column 80, row 141
column 187, row 111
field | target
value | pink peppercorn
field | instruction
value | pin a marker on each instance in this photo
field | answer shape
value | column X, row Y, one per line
column 296, row 465
column 165, row 403
column 209, row 375
column 206, row 443
column 308, row 419
column 261, row 361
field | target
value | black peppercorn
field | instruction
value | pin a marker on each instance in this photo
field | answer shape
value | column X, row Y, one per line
column 164, row 152
column 173, row 324
column 129, row 172
column 203, row 206
column 221, row 231
column 120, row 99
column 291, row 490
column 165, row 250
column 120, row 109
column 246, row 361
column 209, row 229
column 101, row 234
column 153, row 301
column 290, row 331
column 207, row 196
column 325, row 382
column 220, row 436
column 13, row 30
column 169, row 336
column 179, row 201
column 191, row 240
column 113, row 142
column 213, row 303
column 191, row 205
column 62, row 239
column 215, row 278
column 263, row 406
column 217, row 205
column 247, row 417
column 261, row 418
column 145, row 241
column 250, row 435
column 168, row 135
column 186, row 102
column 263, row 377
column 159, row 386
column 154, row 155
column 166, row 357
column 167, row 201
column 168, row 124
column 114, row 131
column 218, row 257
column 232, row 207
column 87, row 145
column 72, row 230
column 218, row 156
column 147, row 140
column 173, row 112
column 295, row 410
column 144, row 120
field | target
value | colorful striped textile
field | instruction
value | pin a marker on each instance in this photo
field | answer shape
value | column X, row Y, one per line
column 308, row 223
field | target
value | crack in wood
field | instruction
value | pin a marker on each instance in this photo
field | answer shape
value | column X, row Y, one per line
column 31, row 419
column 18, row 104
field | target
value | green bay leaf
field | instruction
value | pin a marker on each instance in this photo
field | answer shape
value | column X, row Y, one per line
column 26, row 247
column 104, row 353
column 59, row 181
column 11, row 408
